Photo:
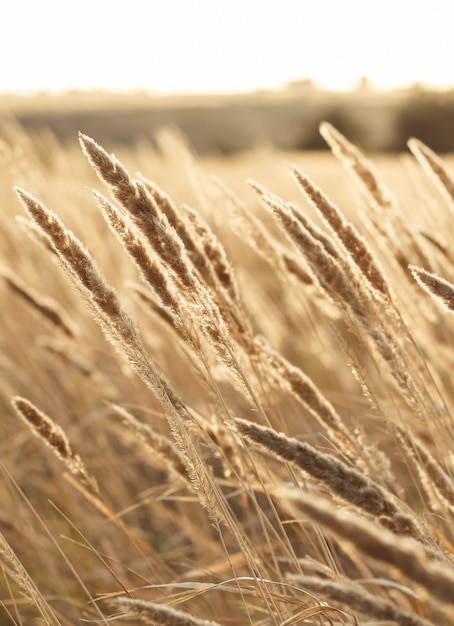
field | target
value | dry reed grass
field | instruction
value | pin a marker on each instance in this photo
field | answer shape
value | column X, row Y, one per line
column 266, row 433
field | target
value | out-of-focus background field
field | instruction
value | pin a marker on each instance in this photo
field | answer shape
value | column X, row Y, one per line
column 286, row 118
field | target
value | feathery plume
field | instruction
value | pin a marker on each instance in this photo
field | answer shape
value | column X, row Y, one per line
column 362, row 169
column 346, row 482
column 345, row 232
column 437, row 287
column 134, row 196
column 435, row 167
column 53, row 436
column 359, row 599
column 153, row 613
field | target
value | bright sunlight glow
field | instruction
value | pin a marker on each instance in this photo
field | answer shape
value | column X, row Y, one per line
column 223, row 45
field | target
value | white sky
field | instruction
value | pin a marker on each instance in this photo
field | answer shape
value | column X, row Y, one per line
column 221, row 45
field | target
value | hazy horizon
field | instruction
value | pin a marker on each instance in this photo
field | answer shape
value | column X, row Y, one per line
column 364, row 84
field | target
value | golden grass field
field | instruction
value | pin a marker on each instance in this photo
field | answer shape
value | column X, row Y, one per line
column 225, row 402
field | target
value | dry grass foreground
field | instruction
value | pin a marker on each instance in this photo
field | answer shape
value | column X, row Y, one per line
column 263, row 435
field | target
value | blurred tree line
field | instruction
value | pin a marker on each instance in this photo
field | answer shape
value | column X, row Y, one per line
column 387, row 124
column 429, row 117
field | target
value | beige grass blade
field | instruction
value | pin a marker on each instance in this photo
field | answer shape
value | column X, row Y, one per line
column 47, row 307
